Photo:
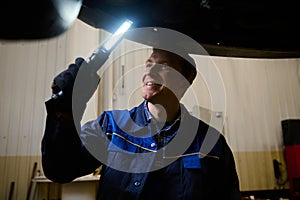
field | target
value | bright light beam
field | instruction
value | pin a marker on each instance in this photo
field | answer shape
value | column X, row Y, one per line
column 101, row 54
column 115, row 38
column 109, row 44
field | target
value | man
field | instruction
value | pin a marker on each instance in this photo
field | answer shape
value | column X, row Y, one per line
column 151, row 151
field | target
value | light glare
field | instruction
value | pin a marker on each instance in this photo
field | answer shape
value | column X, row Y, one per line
column 113, row 40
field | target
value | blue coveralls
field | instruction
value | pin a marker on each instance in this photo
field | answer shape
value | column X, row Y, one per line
column 123, row 141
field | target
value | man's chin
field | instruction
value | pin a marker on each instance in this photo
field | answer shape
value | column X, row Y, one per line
column 151, row 93
column 149, row 97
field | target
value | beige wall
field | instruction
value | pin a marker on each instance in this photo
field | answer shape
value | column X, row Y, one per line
column 27, row 69
column 259, row 94
column 255, row 170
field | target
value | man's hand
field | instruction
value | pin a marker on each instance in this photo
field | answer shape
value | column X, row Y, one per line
column 63, row 86
column 64, row 81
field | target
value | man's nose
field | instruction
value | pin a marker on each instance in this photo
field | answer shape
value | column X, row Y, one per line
column 154, row 67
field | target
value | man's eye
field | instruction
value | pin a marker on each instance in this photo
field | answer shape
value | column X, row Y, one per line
column 148, row 65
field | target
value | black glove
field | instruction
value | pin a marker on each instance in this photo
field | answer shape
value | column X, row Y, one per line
column 63, row 86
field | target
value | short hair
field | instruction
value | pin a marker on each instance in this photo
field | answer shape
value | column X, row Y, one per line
column 187, row 62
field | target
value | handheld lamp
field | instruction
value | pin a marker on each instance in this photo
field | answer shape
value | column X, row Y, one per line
column 100, row 55
column 116, row 37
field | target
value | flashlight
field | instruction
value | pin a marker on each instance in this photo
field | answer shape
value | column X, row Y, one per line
column 101, row 54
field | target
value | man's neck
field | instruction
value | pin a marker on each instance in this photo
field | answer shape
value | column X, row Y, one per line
column 164, row 113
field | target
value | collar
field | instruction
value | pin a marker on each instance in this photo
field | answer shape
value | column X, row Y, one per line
column 167, row 126
column 147, row 112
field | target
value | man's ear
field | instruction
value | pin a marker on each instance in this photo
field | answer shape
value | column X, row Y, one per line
column 190, row 79
column 185, row 83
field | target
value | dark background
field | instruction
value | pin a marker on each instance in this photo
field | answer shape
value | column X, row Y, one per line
column 243, row 28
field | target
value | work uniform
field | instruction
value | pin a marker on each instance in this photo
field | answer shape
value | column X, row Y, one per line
column 141, row 158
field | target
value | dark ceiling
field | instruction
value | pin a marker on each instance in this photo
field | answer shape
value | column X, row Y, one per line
column 243, row 28
column 256, row 28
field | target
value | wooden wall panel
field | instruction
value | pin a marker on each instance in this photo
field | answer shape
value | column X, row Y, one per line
column 255, row 170
column 27, row 69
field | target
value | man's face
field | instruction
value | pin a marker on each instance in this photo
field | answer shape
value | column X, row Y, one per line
column 162, row 79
